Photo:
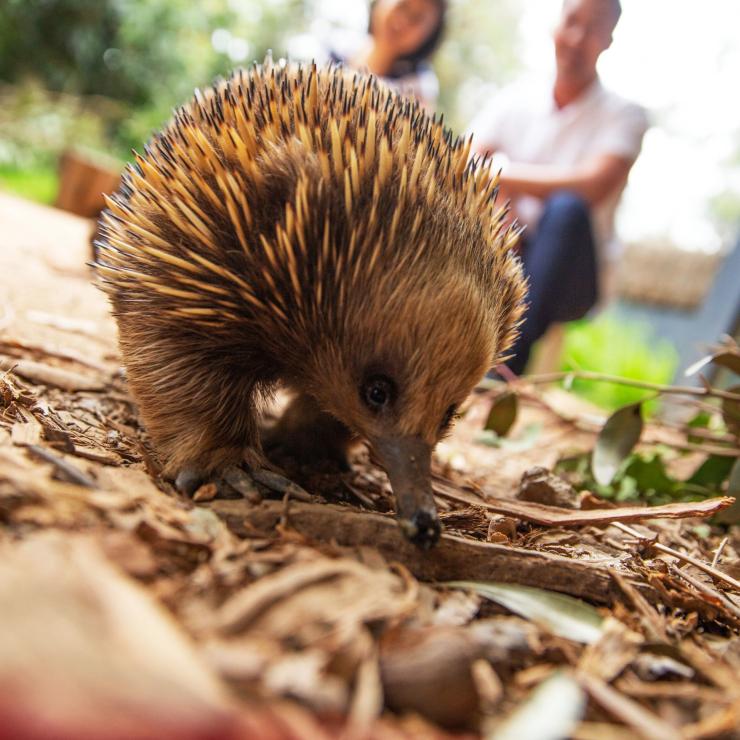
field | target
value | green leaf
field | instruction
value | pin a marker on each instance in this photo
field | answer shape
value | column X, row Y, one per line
column 503, row 413
column 731, row 515
column 650, row 474
column 560, row 614
column 619, row 435
column 712, row 472
column 731, row 411
column 550, row 712
column 628, row 490
column 702, row 420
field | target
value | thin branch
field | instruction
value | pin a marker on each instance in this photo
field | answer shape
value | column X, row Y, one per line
column 712, row 571
column 718, row 553
column 604, row 378
column 717, row 597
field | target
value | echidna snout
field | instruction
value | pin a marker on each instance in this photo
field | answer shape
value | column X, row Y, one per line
column 407, row 460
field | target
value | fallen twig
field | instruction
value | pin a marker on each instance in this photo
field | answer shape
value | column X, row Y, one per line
column 718, row 553
column 12, row 345
column 553, row 515
column 717, row 574
column 452, row 558
column 715, row 597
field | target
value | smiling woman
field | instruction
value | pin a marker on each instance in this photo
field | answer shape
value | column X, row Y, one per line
column 402, row 35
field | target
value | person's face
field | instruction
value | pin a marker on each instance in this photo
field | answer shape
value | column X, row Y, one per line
column 404, row 25
column 583, row 32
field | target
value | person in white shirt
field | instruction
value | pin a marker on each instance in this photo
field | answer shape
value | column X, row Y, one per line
column 565, row 151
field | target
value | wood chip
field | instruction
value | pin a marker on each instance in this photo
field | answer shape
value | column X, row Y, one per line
column 26, row 433
column 41, row 374
column 97, row 454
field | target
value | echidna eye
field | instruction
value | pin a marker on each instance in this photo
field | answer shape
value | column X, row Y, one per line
column 377, row 392
column 449, row 414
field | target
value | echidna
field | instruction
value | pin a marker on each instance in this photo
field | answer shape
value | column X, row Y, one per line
column 308, row 227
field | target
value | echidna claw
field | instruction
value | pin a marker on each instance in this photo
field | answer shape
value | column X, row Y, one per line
column 242, row 483
column 189, row 479
column 280, row 484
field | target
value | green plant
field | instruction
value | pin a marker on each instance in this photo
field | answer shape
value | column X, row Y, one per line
column 611, row 346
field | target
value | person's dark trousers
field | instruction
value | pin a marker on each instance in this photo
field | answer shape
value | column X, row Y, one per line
column 560, row 261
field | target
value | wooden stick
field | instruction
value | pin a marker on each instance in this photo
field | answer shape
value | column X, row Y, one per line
column 553, row 515
column 452, row 558
column 718, row 553
column 41, row 374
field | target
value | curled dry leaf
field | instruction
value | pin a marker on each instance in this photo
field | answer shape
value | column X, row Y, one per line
column 429, row 671
column 617, row 438
column 541, row 486
column 503, row 413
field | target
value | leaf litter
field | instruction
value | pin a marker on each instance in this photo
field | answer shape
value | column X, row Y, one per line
column 130, row 611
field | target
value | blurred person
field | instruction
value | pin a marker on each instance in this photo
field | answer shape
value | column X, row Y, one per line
column 565, row 151
column 402, row 36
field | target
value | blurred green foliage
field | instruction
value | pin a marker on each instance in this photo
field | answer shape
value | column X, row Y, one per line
column 36, row 183
column 127, row 50
column 609, row 345
column 36, row 125
column 645, row 476
column 118, row 67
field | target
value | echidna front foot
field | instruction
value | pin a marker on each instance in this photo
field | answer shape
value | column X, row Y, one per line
column 308, row 435
column 228, row 468
column 240, row 479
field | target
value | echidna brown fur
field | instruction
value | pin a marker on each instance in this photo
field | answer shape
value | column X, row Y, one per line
column 308, row 227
